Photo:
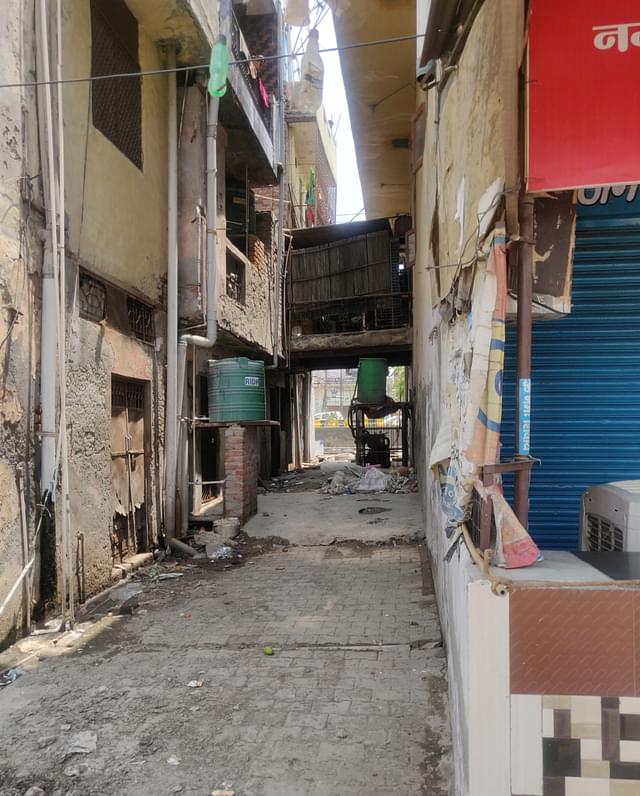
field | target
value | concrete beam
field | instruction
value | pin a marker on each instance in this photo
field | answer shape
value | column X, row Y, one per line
column 379, row 340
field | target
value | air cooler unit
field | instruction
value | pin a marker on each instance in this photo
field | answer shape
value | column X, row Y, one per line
column 610, row 517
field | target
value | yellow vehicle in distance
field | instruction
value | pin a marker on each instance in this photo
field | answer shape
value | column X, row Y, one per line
column 329, row 420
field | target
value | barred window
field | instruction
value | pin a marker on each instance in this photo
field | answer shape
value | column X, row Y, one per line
column 117, row 102
column 141, row 320
column 127, row 394
column 92, row 298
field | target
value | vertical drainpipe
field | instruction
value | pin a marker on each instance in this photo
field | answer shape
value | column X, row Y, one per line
column 212, row 315
column 523, row 364
column 282, row 169
column 171, row 408
column 48, row 359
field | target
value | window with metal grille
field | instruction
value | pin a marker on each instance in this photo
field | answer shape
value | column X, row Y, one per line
column 127, row 394
column 140, row 320
column 235, row 278
column 92, row 298
column 116, row 103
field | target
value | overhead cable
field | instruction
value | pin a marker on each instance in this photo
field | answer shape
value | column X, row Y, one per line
column 238, row 62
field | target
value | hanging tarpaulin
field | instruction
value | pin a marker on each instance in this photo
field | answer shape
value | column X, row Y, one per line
column 473, row 410
column 297, row 13
column 485, row 392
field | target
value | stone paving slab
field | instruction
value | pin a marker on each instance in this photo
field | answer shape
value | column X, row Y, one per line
column 352, row 702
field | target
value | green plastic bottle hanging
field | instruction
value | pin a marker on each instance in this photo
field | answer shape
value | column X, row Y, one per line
column 218, row 68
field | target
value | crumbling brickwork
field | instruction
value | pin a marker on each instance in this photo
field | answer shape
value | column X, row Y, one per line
column 241, row 472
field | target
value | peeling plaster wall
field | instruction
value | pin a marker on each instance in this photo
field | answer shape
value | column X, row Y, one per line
column 20, row 258
column 96, row 353
column 465, row 151
column 116, row 223
column 251, row 322
column 466, row 148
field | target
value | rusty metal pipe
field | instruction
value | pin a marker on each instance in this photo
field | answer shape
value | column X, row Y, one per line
column 523, row 362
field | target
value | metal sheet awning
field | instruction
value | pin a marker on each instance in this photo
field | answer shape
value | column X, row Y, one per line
column 317, row 236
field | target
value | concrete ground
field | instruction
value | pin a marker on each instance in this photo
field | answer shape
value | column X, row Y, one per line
column 173, row 692
column 308, row 518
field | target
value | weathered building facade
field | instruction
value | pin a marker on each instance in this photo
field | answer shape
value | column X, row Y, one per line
column 526, row 289
column 164, row 221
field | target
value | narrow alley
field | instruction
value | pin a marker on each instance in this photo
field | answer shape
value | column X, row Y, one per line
column 167, row 688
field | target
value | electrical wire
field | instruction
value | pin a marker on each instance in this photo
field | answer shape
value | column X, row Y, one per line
column 237, row 62
column 541, row 304
column 475, row 233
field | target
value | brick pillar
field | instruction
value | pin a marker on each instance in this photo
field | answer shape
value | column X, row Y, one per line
column 241, row 472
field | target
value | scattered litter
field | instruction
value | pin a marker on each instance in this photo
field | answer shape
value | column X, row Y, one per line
column 173, row 761
column 224, row 790
column 10, row 676
column 186, row 615
column 34, row 790
column 65, row 727
column 170, row 575
column 46, row 740
column 373, row 480
column 221, row 553
column 195, row 708
column 102, row 689
column 177, row 789
column 373, row 510
column 353, row 479
column 195, row 684
column 76, row 771
column 268, row 650
column 82, row 743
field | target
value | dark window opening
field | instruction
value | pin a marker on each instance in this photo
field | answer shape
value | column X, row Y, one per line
column 116, row 103
column 141, row 320
column 235, row 278
column 127, row 394
column 92, row 298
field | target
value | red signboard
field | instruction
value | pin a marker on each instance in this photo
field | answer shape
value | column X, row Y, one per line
column 584, row 94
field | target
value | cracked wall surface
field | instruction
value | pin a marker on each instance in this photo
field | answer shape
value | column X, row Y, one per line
column 19, row 324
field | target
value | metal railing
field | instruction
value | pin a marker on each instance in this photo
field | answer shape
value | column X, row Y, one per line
column 354, row 314
column 241, row 52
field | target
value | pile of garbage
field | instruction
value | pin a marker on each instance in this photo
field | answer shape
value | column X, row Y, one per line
column 218, row 543
column 353, row 480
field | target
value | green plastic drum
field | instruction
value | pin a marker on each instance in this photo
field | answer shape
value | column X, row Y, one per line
column 236, row 390
column 372, row 381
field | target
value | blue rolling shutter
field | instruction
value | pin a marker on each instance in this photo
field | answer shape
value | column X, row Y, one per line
column 585, row 376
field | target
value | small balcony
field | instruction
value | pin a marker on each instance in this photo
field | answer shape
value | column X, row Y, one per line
column 349, row 295
column 250, row 110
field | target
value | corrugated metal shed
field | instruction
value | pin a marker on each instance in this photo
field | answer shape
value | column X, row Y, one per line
column 585, row 376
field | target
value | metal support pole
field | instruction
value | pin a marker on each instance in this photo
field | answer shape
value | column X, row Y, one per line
column 523, row 366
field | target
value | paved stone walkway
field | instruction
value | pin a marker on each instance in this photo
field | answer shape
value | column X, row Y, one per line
column 353, row 700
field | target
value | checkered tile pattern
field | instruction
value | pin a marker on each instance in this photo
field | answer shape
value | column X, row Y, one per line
column 591, row 745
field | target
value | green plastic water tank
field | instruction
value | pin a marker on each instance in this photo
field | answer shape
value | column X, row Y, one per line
column 372, row 381
column 236, row 390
